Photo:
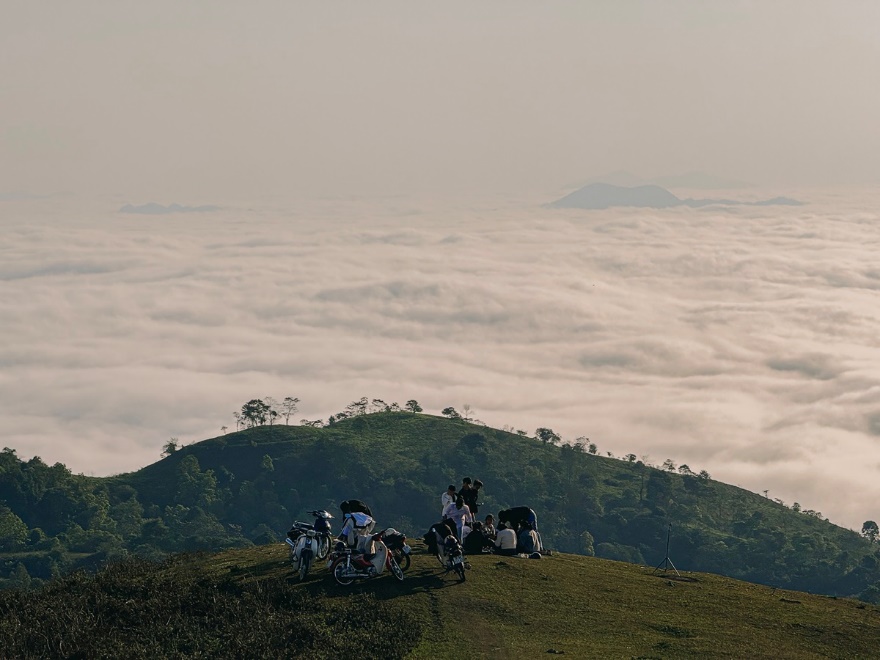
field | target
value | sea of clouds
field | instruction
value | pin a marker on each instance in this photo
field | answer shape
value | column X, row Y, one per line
column 742, row 341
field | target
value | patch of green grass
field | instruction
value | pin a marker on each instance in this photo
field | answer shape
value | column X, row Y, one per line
column 247, row 603
column 585, row 607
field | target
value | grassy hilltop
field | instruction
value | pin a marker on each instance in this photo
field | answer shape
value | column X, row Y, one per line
column 245, row 488
column 244, row 603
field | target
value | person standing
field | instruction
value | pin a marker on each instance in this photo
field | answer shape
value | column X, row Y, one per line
column 459, row 513
column 447, row 498
column 469, row 493
column 474, row 504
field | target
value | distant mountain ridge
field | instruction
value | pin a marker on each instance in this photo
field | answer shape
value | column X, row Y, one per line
column 596, row 196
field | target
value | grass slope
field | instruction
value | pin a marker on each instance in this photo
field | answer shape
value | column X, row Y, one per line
column 581, row 607
column 246, row 603
column 590, row 608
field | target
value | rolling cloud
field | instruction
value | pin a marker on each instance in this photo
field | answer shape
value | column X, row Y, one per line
column 741, row 341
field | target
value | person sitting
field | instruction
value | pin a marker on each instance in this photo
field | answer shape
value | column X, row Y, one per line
column 489, row 530
column 528, row 541
column 436, row 537
column 475, row 541
column 356, row 529
column 505, row 541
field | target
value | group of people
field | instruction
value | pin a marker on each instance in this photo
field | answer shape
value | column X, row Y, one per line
column 516, row 533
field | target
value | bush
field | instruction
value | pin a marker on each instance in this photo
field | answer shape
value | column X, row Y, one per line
column 142, row 609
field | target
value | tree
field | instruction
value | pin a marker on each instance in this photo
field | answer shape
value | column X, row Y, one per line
column 412, row 406
column 547, row 435
column 224, row 429
column 870, row 530
column 450, row 412
column 631, row 458
column 13, row 531
column 170, row 447
column 314, row 423
column 289, row 407
column 668, row 465
column 592, row 448
column 358, row 407
column 271, row 413
column 685, row 470
column 467, row 413
column 254, row 413
column 706, row 476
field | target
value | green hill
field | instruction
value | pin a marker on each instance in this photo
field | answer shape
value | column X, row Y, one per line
column 244, row 603
column 246, row 487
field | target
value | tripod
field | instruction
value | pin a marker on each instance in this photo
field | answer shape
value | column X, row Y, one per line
column 667, row 562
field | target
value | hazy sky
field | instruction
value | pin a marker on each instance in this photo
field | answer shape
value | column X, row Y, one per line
column 381, row 168
column 224, row 99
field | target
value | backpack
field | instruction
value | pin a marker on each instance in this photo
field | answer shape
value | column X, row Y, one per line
column 355, row 506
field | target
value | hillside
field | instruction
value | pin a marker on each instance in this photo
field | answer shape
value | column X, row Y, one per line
column 244, row 603
column 246, row 487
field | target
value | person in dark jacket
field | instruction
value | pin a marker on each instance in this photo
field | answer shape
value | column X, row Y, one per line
column 476, row 540
column 478, row 485
column 467, row 492
column 518, row 516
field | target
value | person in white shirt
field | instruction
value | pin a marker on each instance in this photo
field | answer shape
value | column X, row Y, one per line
column 447, row 498
column 505, row 541
column 459, row 513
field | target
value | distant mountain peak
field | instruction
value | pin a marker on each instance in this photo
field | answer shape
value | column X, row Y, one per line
column 597, row 196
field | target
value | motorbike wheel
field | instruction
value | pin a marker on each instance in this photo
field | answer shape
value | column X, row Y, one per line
column 304, row 565
column 395, row 569
column 459, row 568
column 323, row 548
column 339, row 574
column 403, row 560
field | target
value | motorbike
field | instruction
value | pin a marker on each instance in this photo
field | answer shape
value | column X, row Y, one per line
column 308, row 542
column 454, row 558
column 400, row 549
column 369, row 560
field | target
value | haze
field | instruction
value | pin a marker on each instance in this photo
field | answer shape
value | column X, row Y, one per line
column 381, row 170
column 211, row 99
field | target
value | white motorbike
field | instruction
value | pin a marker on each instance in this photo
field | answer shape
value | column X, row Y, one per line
column 308, row 542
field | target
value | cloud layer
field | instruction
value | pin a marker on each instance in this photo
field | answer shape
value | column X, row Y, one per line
column 738, row 341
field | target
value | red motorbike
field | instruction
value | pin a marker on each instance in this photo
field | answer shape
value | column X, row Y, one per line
column 370, row 559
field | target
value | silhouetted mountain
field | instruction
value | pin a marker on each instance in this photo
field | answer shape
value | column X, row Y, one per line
column 152, row 208
column 605, row 195
column 597, row 196
column 695, row 180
